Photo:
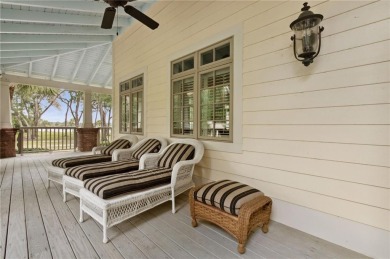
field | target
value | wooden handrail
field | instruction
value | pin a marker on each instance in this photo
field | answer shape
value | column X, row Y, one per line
column 41, row 139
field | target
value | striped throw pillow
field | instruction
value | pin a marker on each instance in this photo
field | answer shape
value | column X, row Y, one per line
column 150, row 146
column 226, row 195
column 176, row 153
column 117, row 144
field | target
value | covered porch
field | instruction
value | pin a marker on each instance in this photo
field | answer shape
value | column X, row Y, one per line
column 315, row 139
column 36, row 223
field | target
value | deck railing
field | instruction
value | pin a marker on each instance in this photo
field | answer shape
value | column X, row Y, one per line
column 47, row 139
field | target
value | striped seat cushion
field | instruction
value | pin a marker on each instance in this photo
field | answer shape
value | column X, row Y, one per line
column 80, row 160
column 175, row 153
column 117, row 144
column 150, row 146
column 109, row 186
column 84, row 172
column 226, row 195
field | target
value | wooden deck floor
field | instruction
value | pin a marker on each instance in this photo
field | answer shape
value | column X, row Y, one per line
column 36, row 223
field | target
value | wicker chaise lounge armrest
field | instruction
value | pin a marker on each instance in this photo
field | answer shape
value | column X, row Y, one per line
column 97, row 150
column 122, row 154
column 148, row 161
column 182, row 168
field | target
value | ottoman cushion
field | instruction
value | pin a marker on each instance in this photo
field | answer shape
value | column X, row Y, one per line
column 226, row 195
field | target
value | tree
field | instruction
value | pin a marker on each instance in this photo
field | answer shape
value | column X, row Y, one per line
column 102, row 106
column 30, row 102
column 73, row 102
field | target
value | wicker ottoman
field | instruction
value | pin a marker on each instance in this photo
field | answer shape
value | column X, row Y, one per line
column 233, row 206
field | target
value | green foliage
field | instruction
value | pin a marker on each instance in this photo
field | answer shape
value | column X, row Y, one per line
column 30, row 102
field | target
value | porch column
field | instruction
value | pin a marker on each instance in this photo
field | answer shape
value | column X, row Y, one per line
column 87, row 136
column 87, row 116
column 7, row 132
column 5, row 114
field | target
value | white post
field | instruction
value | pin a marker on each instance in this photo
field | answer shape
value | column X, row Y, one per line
column 5, row 105
column 87, row 116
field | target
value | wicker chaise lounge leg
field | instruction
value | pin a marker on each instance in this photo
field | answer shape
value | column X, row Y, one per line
column 81, row 219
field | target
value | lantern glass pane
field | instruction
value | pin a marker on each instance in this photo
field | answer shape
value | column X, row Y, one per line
column 307, row 42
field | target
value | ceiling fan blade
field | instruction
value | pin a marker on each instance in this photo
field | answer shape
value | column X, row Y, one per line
column 108, row 18
column 152, row 24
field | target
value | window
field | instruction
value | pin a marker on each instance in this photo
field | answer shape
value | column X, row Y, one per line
column 131, row 107
column 201, row 88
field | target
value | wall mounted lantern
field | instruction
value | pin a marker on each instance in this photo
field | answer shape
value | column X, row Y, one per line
column 307, row 35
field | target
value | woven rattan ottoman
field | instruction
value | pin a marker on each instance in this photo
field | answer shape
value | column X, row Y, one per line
column 233, row 206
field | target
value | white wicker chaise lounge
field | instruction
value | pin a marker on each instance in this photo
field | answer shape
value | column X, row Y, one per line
column 124, row 160
column 172, row 163
column 55, row 172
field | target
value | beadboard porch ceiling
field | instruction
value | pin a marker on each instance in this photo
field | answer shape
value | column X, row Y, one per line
column 59, row 40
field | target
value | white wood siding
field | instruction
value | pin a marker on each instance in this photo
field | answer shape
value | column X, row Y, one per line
column 314, row 136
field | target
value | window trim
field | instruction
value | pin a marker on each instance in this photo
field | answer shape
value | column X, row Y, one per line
column 196, row 73
column 237, row 32
column 129, row 93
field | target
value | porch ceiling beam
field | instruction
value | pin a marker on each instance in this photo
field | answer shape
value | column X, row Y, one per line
column 55, row 18
column 93, row 46
column 82, row 6
column 34, row 28
column 100, row 64
column 109, row 80
column 41, row 38
column 53, row 72
column 8, row 61
column 79, row 62
column 31, row 53
column 9, row 78
column 43, row 46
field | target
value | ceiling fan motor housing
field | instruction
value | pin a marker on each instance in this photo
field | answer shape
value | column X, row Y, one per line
column 116, row 3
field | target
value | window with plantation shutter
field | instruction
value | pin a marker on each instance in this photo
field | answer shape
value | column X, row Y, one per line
column 131, row 107
column 201, row 89
column 183, row 106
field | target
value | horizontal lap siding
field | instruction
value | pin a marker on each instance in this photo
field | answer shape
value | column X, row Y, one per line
column 314, row 136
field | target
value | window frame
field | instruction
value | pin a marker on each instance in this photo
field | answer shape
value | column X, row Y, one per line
column 129, row 92
column 196, row 73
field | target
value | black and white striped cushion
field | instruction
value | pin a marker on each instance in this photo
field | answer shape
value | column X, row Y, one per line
column 226, row 195
column 113, row 185
column 84, row 172
column 80, row 160
column 175, row 153
column 117, row 144
column 150, row 146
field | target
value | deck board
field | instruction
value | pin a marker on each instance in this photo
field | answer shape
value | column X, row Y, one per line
column 147, row 246
column 36, row 223
column 178, row 237
column 6, row 190
column 77, row 238
column 58, row 241
column 94, row 234
column 16, row 239
column 38, row 244
column 164, row 212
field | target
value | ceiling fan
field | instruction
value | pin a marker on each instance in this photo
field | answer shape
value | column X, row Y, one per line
column 109, row 14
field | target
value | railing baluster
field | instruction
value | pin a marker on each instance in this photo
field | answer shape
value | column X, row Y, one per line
column 37, row 139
